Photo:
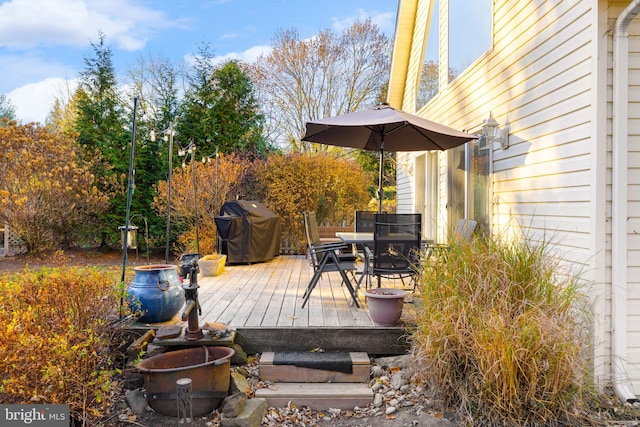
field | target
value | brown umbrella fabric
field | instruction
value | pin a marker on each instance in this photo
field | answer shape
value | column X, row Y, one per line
column 384, row 128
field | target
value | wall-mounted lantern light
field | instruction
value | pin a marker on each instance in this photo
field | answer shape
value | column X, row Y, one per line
column 493, row 133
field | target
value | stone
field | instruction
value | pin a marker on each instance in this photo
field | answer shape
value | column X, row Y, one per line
column 251, row 416
column 238, row 384
column 242, row 370
column 396, row 381
column 170, row 331
column 141, row 343
column 240, row 357
column 137, row 401
column 402, row 361
column 154, row 350
column 378, row 400
column 233, row 404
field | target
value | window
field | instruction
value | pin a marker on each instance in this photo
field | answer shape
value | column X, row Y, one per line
column 470, row 32
column 470, row 36
column 469, row 183
column 428, row 86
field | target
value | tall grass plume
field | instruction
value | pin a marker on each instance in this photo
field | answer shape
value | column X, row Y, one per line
column 504, row 334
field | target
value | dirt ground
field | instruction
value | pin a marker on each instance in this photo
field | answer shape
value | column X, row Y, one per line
column 80, row 258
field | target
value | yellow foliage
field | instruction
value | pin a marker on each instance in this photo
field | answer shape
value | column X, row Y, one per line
column 291, row 184
column 286, row 184
column 39, row 184
column 216, row 182
column 54, row 339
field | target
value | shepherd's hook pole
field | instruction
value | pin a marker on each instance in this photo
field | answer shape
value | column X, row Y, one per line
column 195, row 197
column 166, row 251
column 129, row 196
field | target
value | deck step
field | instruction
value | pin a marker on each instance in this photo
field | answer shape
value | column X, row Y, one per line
column 317, row 396
column 360, row 366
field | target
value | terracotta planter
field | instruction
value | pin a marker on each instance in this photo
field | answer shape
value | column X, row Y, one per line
column 212, row 265
column 385, row 305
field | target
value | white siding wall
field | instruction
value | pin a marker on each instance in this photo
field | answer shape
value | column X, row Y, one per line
column 537, row 76
column 404, row 181
column 633, row 194
column 546, row 76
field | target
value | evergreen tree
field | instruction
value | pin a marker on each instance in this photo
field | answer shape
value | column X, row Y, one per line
column 220, row 110
column 239, row 122
column 103, row 129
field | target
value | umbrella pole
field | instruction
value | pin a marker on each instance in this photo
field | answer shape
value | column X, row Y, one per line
column 380, row 191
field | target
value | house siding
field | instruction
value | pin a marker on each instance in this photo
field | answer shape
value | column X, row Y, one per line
column 633, row 212
column 537, row 78
column 549, row 74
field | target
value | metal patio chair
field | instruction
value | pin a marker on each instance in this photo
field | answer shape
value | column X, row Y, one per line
column 396, row 246
column 327, row 257
column 464, row 231
column 364, row 221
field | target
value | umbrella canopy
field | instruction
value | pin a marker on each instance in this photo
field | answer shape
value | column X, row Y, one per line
column 384, row 128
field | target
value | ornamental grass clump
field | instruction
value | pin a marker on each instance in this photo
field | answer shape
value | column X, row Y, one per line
column 503, row 336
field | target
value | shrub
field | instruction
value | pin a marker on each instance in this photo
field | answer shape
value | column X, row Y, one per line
column 54, row 339
column 503, row 335
column 49, row 195
column 291, row 184
column 216, row 182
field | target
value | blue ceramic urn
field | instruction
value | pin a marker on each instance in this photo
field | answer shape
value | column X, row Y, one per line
column 156, row 291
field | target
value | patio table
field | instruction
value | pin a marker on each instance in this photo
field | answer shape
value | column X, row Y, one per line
column 362, row 239
column 355, row 238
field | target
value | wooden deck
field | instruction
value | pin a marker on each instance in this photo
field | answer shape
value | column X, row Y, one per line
column 263, row 302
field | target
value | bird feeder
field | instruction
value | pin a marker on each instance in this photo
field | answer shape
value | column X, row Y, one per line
column 132, row 236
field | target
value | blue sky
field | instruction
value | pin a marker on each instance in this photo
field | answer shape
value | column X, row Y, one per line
column 43, row 43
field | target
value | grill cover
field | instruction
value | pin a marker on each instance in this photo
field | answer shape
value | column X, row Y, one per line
column 248, row 232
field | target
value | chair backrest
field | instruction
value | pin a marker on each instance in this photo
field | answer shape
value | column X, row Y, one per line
column 364, row 221
column 396, row 243
column 305, row 226
column 309, row 238
column 313, row 228
column 465, row 228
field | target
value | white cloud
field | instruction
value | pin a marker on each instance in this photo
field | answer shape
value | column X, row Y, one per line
column 29, row 67
column 26, row 24
column 34, row 101
column 249, row 55
column 384, row 20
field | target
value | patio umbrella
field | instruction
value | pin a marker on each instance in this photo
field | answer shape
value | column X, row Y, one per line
column 384, row 128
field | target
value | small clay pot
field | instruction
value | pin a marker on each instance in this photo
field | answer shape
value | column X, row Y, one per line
column 385, row 305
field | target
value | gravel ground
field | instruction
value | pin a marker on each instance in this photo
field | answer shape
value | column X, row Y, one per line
column 398, row 403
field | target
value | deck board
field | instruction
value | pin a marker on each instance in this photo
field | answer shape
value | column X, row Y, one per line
column 269, row 294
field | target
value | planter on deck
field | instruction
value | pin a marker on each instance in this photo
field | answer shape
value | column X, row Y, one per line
column 212, row 265
column 385, row 305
